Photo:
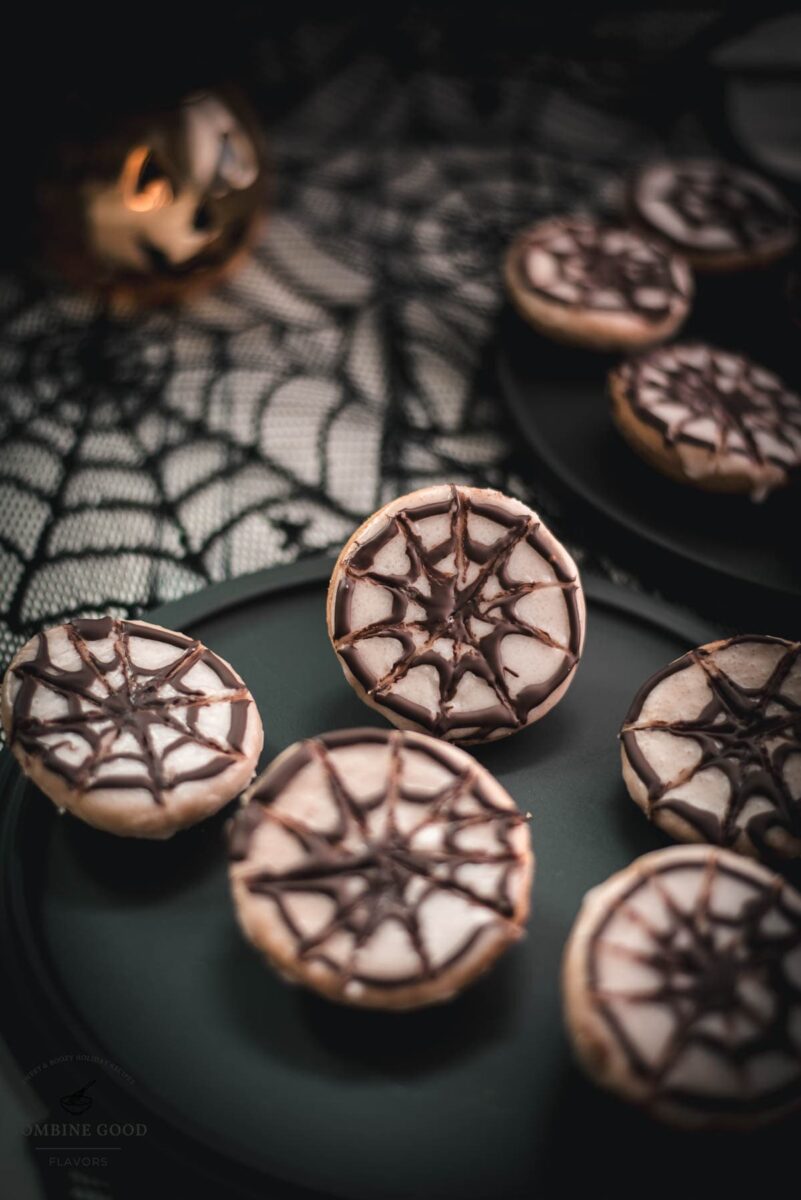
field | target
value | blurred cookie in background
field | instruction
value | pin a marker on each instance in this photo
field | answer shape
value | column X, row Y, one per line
column 710, row 418
column 599, row 286
column 721, row 217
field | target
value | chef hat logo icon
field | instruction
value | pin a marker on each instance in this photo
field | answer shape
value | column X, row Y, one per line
column 78, row 1102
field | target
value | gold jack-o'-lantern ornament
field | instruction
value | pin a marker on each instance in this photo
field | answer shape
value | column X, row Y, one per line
column 161, row 207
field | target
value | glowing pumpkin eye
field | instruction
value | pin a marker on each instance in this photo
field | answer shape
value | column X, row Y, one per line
column 145, row 186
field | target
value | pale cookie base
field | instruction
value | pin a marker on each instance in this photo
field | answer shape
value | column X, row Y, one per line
column 374, row 522
column 261, row 927
column 135, row 814
column 599, row 1053
column 262, row 924
column 695, row 466
column 720, row 262
column 779, row 840
column 594, row 330
column 769, row 250
column 401, row 722
column 675, row 697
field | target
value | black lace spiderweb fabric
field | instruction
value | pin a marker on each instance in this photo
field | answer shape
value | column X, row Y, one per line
column 347, row 362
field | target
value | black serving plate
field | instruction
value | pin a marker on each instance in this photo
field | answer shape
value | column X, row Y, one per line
column 128, row 952
column 736, row 561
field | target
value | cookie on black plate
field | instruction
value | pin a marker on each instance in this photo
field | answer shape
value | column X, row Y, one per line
column 720, row 217
column 455, row 611
column 682, row 988
column 133, row 728
column 711, row 746
column 601, row 286
column 382, row 869
column 709, row 417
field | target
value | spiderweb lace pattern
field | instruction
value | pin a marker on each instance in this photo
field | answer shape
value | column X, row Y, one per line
column 345, row 364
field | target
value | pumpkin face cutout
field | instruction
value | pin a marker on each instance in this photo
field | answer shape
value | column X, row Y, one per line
column 164, row 206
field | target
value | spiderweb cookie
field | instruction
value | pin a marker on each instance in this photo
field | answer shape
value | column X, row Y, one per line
column 380, row 868
column 456, row 612
column 133, row 728
column 682, row 988
column 605, row 287
column 711, row 746
column 709, row 418
column 719, row 216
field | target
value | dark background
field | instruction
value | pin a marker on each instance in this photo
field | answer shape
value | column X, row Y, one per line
column 147, row 457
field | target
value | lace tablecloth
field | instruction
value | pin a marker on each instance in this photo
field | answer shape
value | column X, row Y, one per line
column 347, row 361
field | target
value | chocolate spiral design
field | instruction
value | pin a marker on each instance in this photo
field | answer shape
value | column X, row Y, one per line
column 395, row 858
column 121, row 722
column 750, row 734
column 453, row 609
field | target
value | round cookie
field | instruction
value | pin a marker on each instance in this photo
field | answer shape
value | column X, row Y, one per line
column 682, row 988
column 455, row 611
column 135, row 729
column 711, row 746
column 382, row 869
column 720, row 217
column 595, row 285
column 709, row 418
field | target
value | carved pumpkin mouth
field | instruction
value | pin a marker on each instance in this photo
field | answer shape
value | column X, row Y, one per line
column 211, row 255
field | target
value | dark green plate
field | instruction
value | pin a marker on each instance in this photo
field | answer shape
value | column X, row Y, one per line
column 132, row 949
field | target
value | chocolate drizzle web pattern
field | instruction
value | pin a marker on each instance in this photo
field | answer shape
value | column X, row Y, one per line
column 725, row 963
column 463, row 596
column 748, row 734
column 699, row 396
column 702, row 197
column 575, row 261
column 378, row 866
column 112, row 698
